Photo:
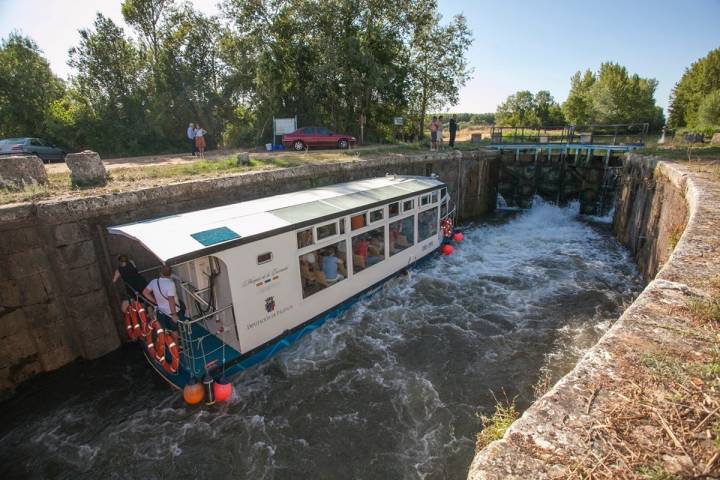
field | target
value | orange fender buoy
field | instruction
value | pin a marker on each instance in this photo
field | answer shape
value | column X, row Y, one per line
column 223, row 390
column 447, row 249
column 458, row 237
column 193, row 393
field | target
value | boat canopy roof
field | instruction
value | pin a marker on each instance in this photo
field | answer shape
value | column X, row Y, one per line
column 192, row 234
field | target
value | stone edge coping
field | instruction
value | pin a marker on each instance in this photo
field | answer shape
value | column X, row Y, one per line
column 551, row 422
column 63, row 210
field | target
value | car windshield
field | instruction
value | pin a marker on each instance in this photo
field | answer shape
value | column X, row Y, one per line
column 323, row 131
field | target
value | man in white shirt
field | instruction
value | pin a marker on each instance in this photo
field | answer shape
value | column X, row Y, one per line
column 161, row 291
column 191, row 137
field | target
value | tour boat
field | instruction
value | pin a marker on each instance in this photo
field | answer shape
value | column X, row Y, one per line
column 257, row 275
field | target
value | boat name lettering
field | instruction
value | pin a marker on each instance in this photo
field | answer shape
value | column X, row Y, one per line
column 265, row 277
column 266, row 318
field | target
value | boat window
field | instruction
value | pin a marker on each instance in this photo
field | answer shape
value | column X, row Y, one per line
column 323, row 268
column 444, row 209
column 305, row 238
column 443, row 192
column 424, row 200
column 376, row 215
column 394, row 209
column 434, row 197
column 402, row 235
column 358, row 221
column 342, row 226
column 326, row 231
column 264, row 258
column 368, row 249
column 408, row 205
column 427, row 224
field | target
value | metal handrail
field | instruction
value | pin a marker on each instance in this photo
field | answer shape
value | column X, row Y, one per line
column 207, row 315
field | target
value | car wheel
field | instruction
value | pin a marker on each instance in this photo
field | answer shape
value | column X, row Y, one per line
column 299, row 146
column 343, row 144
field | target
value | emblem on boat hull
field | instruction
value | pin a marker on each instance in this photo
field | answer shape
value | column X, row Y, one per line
column 270, row 304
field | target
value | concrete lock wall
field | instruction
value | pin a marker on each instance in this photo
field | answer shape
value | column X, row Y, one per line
column 667, row 215
column 57, row 302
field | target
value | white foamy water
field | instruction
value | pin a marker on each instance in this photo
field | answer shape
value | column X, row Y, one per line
column 390, row 389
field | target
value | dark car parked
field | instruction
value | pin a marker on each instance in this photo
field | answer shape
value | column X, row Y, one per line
column 316, row 137
column 32, row 146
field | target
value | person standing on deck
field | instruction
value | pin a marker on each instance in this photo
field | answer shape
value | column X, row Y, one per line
column 134, row 282
column 161, row 291
column 453, row 126
column 191, row 137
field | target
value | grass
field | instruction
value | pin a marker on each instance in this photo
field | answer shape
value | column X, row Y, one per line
column 656, row 472
column 707, row 310
column 683, row 152
column 495, row 426
column 129, row 178
column 675, row 234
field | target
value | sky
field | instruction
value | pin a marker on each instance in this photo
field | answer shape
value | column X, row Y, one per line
column 519, row 45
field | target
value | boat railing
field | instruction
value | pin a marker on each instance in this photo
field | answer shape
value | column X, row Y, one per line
column 197, row 349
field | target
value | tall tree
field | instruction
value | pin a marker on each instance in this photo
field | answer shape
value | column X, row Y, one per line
column 698, row 81
column 438, row 67
column 612, row 96
column 27, row 87
column 518, row 109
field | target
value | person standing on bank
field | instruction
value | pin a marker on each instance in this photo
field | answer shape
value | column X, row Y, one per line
column 453, row 126
column 161, row 291
column 200, row 140
column 433, row 134
column 440, row 132
column 191, row 137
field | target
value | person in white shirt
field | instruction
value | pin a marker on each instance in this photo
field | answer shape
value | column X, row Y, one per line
column 191, row 137
column 200, row 140
column 161, row 291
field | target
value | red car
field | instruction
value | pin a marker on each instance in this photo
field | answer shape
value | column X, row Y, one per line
column 305, row 137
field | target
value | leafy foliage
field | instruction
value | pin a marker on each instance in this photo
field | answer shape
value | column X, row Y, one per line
column 27, row 87
column 525, row 109
column 328, row 62
column 698, row 83
column 610, row 96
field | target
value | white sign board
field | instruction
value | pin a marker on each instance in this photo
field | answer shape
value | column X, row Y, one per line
column 398, row 120
column 284, row 125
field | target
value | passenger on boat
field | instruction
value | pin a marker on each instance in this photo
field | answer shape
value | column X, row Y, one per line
column 376, row 251
column 360, row 253
column 398, row 241
column 134, row 281
column 332, row 267
column 161, row 291
column 309, row 270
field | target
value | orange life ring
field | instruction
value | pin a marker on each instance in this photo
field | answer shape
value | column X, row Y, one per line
column 137, row 329
column 144, row 325
column 129, row 325
column 150, row 343
column 172, row 347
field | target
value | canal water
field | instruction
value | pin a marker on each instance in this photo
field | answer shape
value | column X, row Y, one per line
column 392, row 389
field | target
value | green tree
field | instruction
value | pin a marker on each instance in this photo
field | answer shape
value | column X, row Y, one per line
column 578, row 108
column 112, row 79
column 709, row 111
column 612, row 96
column 698, row 81
column 547, row 110
column 517, row 110
column 27, row 87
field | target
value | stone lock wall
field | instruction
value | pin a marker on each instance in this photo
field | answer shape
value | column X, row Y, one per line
column 56, row 299
column 667, row 215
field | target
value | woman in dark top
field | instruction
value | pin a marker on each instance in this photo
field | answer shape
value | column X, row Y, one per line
column 134, row 282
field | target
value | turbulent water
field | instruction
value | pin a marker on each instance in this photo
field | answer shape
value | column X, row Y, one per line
column 390, row 390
